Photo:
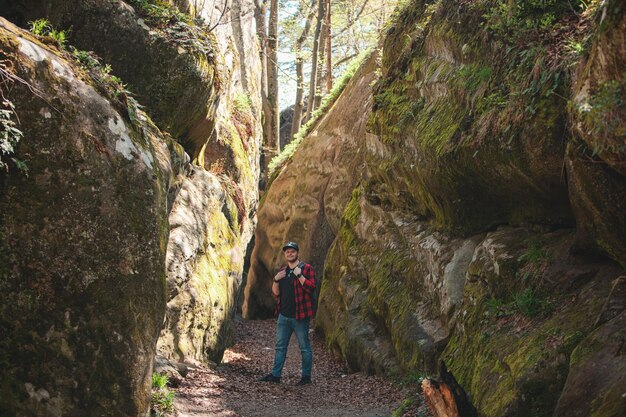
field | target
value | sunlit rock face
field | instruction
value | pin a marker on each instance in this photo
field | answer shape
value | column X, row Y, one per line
column 214, row 212
column 306, row 200
column 202, row 85
column 83, row 232
column 484, row 228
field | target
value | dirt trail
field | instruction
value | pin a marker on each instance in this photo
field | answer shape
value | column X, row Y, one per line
column 231, row 389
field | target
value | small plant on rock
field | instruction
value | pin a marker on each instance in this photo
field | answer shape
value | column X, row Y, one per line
column 497, row 308
column 534, row 262
column 39, row 27
column 10, row 134
column 42, row 27
column 529, row 304
column 110, row 84
column 160, row 12
column 517, row 18
column 413, row 378
column 162, row 398
column 535, row 253
column 526, row 303
column 242, row 102
column 406, row 404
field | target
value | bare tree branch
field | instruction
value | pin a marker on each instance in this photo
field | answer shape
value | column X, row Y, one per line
column 356, row 19
column 226, row 8
column 344, row 59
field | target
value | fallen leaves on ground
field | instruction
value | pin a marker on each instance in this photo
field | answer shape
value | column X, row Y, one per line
column 231, row 389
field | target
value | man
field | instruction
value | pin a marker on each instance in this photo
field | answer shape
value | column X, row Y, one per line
column 293, row 287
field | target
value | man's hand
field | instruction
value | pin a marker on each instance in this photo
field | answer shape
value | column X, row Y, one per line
column 297, row 271
column 281, row 274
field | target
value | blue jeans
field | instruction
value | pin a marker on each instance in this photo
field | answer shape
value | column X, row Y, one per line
column 284, row 327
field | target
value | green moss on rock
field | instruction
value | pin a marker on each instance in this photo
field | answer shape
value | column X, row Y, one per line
column 462, row 164
column 82, row 238
column 518, row 366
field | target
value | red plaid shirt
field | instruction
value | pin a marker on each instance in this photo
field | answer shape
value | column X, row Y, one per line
column 304, row 304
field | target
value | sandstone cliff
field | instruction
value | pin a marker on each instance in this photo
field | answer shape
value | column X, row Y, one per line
column 200, row 86
column 82, row 241
column 306, row 199
column 214, row 215
column 464, row 239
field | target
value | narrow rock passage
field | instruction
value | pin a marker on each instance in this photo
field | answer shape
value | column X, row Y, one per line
column 231, row 389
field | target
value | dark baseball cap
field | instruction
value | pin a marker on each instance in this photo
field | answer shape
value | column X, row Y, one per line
column 291, row 245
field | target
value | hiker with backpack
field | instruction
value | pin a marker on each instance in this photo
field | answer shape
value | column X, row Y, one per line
column 295, row 289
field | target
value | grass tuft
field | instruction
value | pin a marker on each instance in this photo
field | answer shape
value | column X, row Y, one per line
column 42, row 27
column 406, row 404
column 526, row 303
column 162, row 399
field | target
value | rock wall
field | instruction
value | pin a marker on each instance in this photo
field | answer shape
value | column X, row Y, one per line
column 464, row 239
column 214, row 214
column 513, row 362
column 596, row 161
column 201, row 87
column 83, row 234
column 306, row 199
column 469, row 145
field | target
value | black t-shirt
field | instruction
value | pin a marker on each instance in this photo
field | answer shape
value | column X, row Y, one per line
column 287, row 295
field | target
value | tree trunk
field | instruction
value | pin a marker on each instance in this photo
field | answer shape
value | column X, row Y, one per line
column 329, row 54
column 319, row 92
column 297, row 110
column 260, row 14
column 272, row 80
column 321, row 10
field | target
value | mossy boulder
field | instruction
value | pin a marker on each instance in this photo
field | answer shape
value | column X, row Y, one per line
column 396, row 280
column 189, row 78
column 527, row 306
column 306, row 200
column 474, row 129
column 204, row 270
column 214, row 213
column 505, row 310
column 83, row 234
column 176, row 82
column 203, row 87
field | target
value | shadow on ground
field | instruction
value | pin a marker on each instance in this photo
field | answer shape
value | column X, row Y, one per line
column 231, row 389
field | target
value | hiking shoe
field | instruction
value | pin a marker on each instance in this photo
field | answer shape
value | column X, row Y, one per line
column 304, row 380
column 270, row 378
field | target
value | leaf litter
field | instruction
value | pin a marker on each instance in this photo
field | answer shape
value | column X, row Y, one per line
column 231, row 388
